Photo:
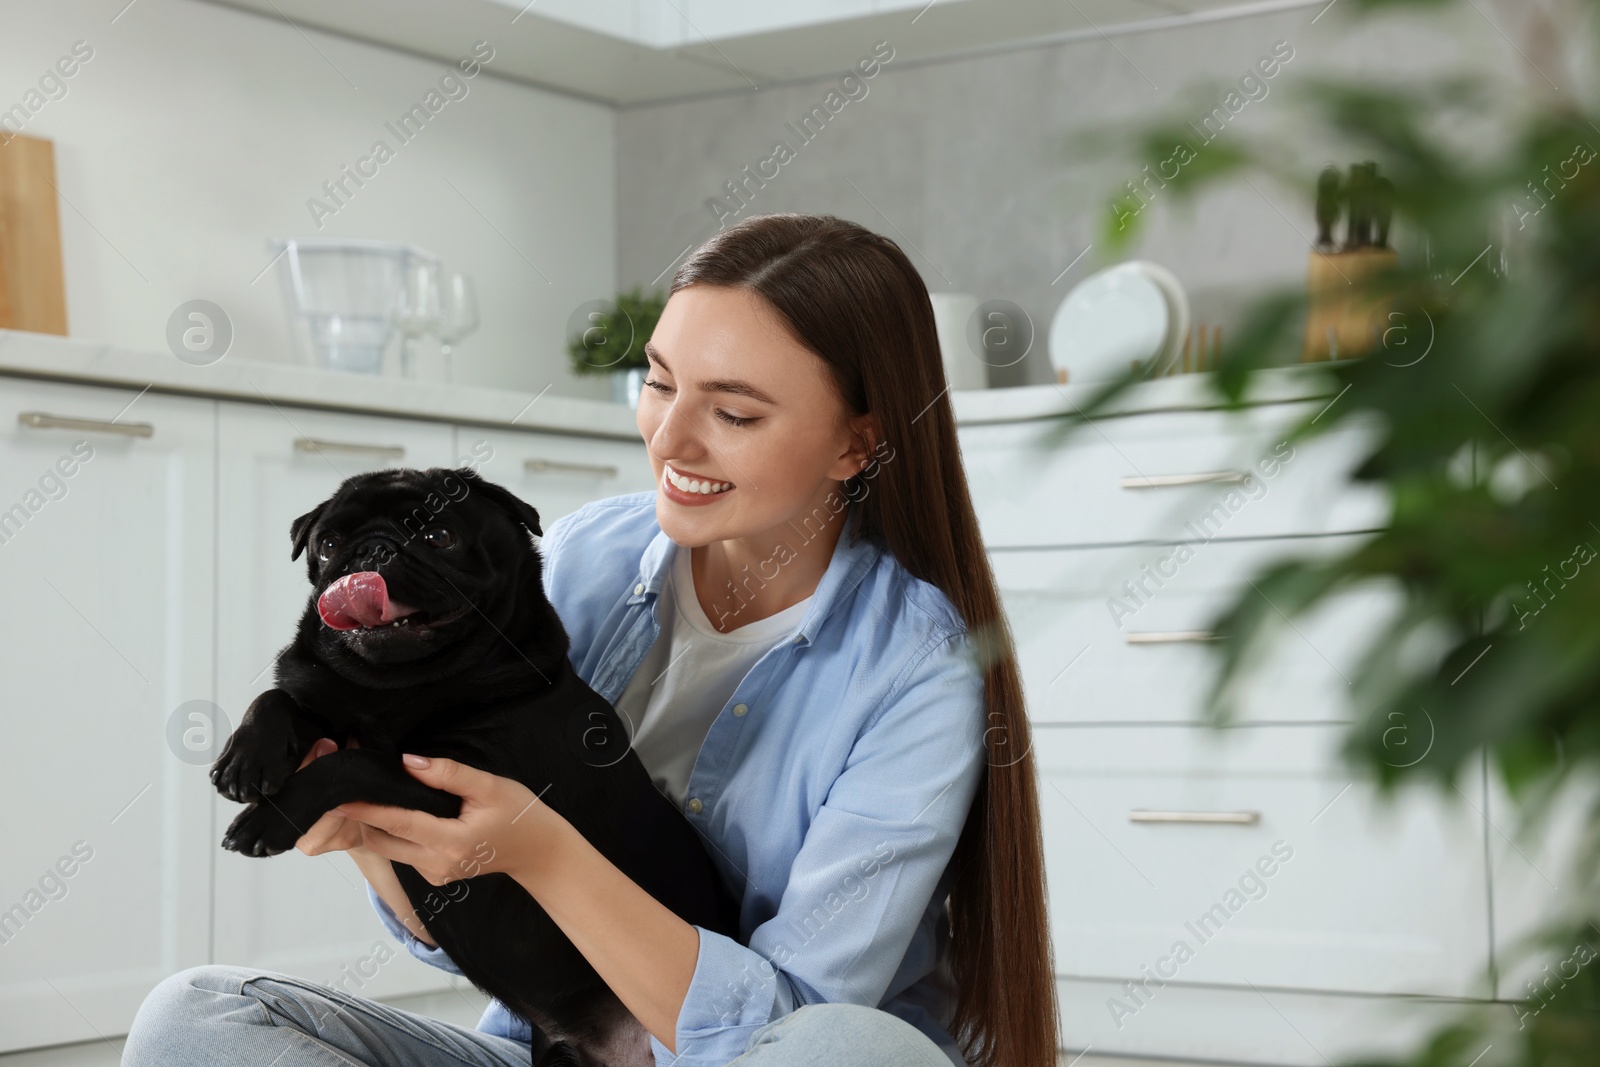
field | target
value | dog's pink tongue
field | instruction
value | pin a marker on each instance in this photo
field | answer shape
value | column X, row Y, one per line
column 360, row 599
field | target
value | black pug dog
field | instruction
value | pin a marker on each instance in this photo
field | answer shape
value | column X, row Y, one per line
column 428, row 631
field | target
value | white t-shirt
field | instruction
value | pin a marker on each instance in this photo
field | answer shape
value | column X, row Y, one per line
column 671, row 710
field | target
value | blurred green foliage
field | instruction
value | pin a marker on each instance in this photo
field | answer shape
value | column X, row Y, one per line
column 1484, row 388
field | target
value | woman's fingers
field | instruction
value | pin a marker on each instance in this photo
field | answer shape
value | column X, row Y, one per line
column 326, row 835
column 416, row 857
column 322, row 747
column 398, row 849
column 333, row 832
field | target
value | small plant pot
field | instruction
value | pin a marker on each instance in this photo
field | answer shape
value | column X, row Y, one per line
column 626, row 385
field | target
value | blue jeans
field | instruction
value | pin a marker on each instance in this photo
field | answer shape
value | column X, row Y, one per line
column 217, row 1013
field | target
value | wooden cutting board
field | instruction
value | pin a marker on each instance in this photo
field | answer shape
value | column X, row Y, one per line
column 32, row 291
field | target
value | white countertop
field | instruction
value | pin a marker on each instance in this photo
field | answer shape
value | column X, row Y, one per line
column 1174, row 393
column 35, row 355
column 38, row 355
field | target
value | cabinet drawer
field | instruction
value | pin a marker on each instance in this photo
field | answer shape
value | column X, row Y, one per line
column 1167, row 476
column 1536, row 869
column 1225, row 1025
column 1251, row 856
column 1122, row 634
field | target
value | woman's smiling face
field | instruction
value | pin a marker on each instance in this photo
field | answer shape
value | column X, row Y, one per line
column 732, row 398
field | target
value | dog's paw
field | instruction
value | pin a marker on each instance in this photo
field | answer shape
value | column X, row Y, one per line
column 252, row 766
column 261, row 830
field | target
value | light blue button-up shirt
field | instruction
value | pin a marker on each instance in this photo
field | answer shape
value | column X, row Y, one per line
column 829, row 791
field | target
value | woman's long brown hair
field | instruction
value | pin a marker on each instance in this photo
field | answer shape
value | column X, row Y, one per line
column 853, row 297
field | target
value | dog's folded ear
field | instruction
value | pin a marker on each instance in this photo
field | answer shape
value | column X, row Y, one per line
column 300, row 529
column 512, row 504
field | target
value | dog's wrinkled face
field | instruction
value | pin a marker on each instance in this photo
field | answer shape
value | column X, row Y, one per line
column 404, row 563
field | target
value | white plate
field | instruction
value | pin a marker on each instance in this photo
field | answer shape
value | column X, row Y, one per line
column 1132, row 311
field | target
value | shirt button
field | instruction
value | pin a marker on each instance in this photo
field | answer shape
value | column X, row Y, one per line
column 739, row 709
column 638, row 589
column 695, row 805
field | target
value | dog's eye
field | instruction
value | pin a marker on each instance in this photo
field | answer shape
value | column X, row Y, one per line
column 439, row 537
column 327, row 545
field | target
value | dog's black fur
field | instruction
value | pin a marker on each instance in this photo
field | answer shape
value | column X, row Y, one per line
column 492, row 688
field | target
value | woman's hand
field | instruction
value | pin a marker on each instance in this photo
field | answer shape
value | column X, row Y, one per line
column 333, row 832
column 502, row 826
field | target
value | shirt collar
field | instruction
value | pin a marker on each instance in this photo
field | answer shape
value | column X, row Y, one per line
column 846, row 569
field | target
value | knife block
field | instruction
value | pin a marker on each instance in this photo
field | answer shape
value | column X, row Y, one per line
column 32, row 290
column 1342, row 320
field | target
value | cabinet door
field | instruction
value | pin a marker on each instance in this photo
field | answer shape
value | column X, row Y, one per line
column 302, row 915
column 1255, row 856
column 1121, row 634
column 106, row 515
column 556, row 473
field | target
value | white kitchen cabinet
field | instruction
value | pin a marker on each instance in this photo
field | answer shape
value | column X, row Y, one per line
column 556, row 473
column 107, row 565
column 1165, row 476
column 1241, row 1025
column 158, row 573
column 144, row 556
column 672, row 27
column 1115, row 546
column 1533, row 877
column 1252, row 855
column 301, row 915
column 1122, row 634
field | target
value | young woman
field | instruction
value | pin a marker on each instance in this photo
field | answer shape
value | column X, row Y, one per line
column 801, row 625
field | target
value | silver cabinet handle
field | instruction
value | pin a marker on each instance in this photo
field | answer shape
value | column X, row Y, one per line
column 535, row 466
column 1242, row 818
column 1167, row 637
column 1163, row 481
column 67, row 422
column 316, row 444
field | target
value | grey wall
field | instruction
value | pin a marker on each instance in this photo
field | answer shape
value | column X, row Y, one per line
column 965, row 163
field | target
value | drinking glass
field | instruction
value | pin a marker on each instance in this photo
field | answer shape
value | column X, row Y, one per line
column 417, row 311
column 458, row 315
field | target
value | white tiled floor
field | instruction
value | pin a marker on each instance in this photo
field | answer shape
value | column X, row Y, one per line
column 463, row 1008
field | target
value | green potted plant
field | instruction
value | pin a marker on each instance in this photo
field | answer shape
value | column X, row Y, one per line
column 1486, row 381
column 610, row 337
